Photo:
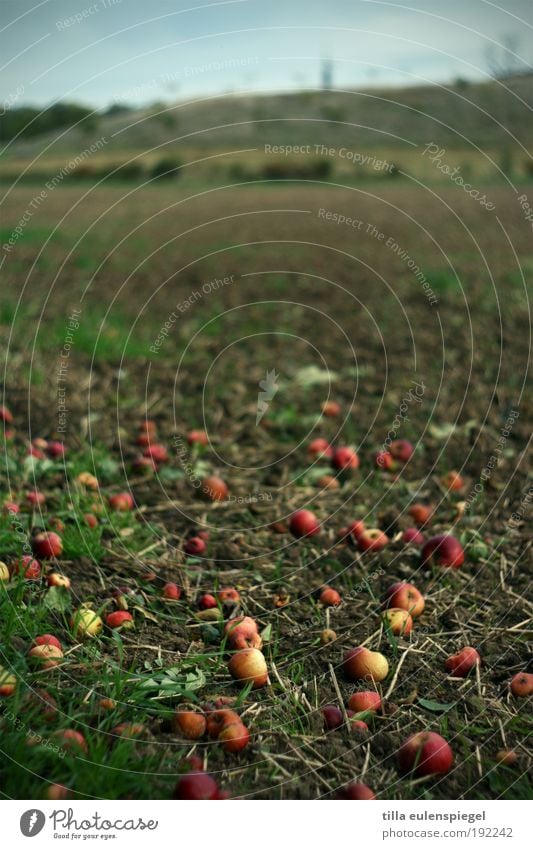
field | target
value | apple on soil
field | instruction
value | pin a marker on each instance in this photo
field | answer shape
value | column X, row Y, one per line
column 461, row 663
column 303, row 523
column 425, row 753
column 249, row 665
column 398, row 621
column 443, row 550
column 361, row 664
column 406, row 596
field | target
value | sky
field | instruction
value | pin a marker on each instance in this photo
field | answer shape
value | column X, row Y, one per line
column 135, row 52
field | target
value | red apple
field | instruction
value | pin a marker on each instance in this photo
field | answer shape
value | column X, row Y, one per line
column 304, row 523
column 443, row 550
column 214, row 488
column 398, row 621
column 229, row 595
column 119, row 620
column 406, row 596
column 522, row 684
column 401, row 449
column 207, row 601
column 144, row 465
column 56, row 792
column 196, row 785
column 421, row 513
column 199, row 437
column 70, row 740
column 47, row 545
column 333, row 717
column 91, row 520
column 35, row 498
column 122, row 502
column 190, row 723
column 453, row 481
column 27, row 566
column 412, row 536
column 11, row 507
column 385, row 460
column 249, row 665
column 242, row 633
column 356, row 725
column 47, row 640
column 156, row 452
column 331, row 409
column 356, row 790
column 234, row 737
column 55, row 449
column 47, row 655
column 460, row 664
column 364, row 700
column 345, row 458
column 361, row 664
column 5, row 415
column 194, row 546
column 320, row 447
column 372, row 539
column 329, row 597
column 425, row 753
column 171, row 592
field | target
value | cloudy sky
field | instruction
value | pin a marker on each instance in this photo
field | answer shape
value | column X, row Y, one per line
column 138, row 51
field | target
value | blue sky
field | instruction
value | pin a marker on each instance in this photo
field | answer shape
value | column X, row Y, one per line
column 138, row 51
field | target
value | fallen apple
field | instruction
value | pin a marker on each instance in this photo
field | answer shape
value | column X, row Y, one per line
column 27, row 566
column 194, row 546
column 522, row 684
column 372, row 539
column 401, row 449
column 363, row 700
column 461, row 663
column 171, row 592
column 303, row 523
column 412, row 536
column 361, row 664
column 329, row 597
column 249, row 665
column 398, row 621
column 406, row 596
column 47, row 640
column 356, row 790
column 47, row 656
column 86, row 623
column 121, row 502
column 345, row 458
column 55, row 579
column 8, row 682
column 214, row 488
column 320, row 448
column 190, row 723
column 333, row 717
column 421, row 513
column 443, row 550
column 242, row 633
column 119, row 620
column 425, row 753
column 234, row 737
